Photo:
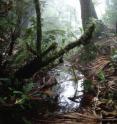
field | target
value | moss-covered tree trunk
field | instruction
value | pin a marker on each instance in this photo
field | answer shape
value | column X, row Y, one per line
column 87, row 12
column 34, row 65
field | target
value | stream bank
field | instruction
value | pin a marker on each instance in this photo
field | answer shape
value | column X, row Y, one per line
column 102, row 76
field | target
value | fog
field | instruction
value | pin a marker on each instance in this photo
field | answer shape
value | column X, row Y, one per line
column 66, row 15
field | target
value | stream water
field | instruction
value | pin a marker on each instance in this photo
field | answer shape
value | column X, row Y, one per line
column 68, row 87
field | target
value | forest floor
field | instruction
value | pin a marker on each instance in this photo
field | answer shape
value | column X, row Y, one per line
column 99, row 105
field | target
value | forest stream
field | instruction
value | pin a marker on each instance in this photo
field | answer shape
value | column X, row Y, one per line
column 69, row 86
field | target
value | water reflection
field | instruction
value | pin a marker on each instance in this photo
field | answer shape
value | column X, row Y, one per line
column 67, row 87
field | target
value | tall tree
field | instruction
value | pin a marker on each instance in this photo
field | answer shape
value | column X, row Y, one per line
column 39, row 29
column 87, row 12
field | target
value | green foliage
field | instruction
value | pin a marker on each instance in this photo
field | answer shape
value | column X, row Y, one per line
column 101, row 76
column 87, row 85
column 12, row 94
column 13, row 91
column 89, row 53
column 24, row 52
column 22, row 96
column 22, row 100
column 114, row 58
column 99, row 26
column 54, row 36
column 114, row 55
column 28, row 87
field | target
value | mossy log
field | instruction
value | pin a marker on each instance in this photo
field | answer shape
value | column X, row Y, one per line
column 34, row 65
column 52, row 47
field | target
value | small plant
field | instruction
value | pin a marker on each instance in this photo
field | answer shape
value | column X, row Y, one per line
column 101, row 76
column 12, row 94
column 87, row 85
column 114, row 56
column 89, row 53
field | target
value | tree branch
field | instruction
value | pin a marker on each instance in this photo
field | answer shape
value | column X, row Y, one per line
column 34, row 65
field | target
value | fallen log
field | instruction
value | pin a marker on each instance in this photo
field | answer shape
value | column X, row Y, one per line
column 34, row 65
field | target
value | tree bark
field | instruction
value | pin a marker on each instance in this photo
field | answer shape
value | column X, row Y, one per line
column 87, row 12
column 39, row 29
column 34, row 65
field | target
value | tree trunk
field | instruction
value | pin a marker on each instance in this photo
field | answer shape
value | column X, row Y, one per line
column 35, row 65
column 87, row 12
column 39, row 30
column 116, row 28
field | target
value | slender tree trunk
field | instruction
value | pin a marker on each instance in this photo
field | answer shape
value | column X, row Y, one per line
column 87, row 12
column 116, row 28
column 16, row 32
column 39, row 29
